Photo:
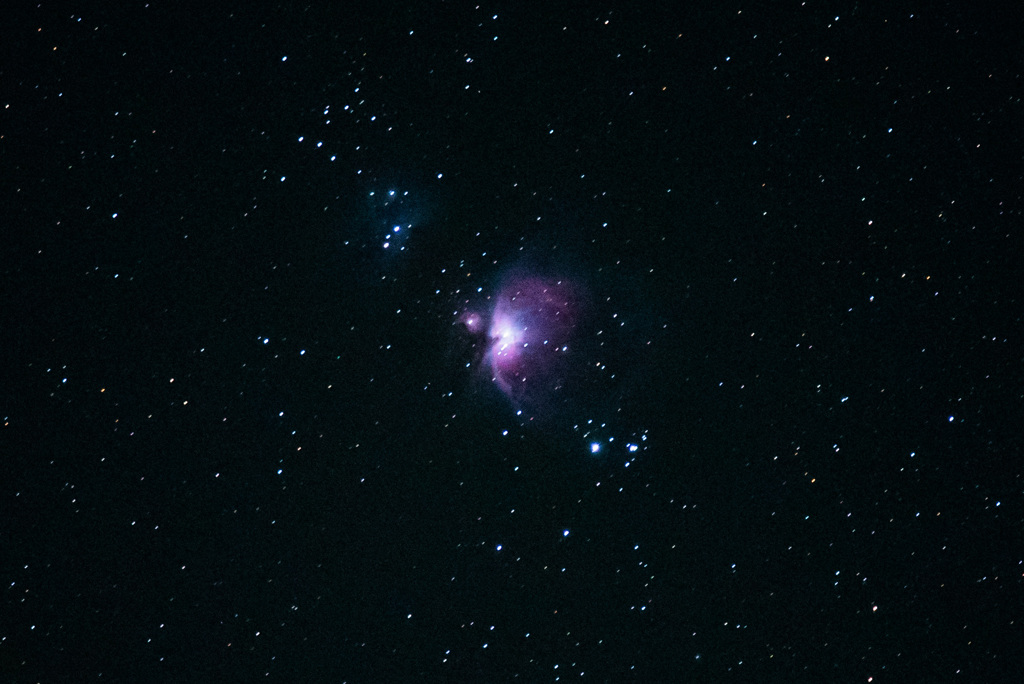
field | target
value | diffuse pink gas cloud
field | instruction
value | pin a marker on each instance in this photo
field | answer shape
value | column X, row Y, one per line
column 528, row 339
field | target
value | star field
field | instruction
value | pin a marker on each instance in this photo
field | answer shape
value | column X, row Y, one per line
column 443, row 342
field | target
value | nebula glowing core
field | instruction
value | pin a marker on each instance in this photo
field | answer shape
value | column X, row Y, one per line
column 528, row 337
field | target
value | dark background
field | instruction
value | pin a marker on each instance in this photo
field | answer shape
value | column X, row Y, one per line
column 240, row 442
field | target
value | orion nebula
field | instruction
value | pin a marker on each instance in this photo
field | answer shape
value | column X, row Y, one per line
column 525, row 339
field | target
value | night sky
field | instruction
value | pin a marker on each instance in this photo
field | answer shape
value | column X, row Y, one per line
column 435, row 341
